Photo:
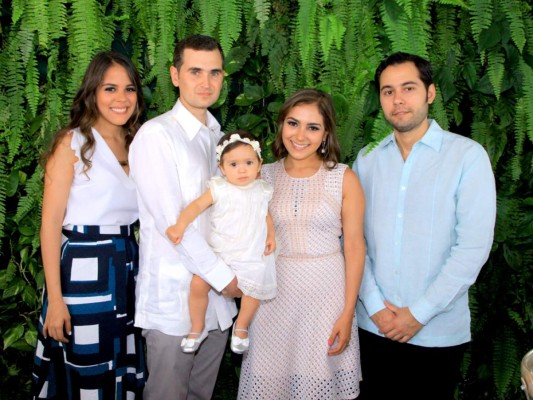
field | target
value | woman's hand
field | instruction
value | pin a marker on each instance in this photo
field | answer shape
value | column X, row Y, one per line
column 57, row 321
column 270, row 245
column 340, row 335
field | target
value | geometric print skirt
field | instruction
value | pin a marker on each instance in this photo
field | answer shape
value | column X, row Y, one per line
column 104, row 358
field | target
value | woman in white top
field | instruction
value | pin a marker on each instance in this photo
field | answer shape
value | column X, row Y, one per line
column 87, row 346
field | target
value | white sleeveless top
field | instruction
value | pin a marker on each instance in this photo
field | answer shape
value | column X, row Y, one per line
column 103, row 195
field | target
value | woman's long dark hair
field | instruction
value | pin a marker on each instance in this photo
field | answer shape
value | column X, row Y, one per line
column 84, row 113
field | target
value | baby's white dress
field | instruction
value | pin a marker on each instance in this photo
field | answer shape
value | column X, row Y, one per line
column 238, row 234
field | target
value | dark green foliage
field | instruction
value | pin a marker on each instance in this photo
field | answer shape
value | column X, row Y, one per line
column 482, row 51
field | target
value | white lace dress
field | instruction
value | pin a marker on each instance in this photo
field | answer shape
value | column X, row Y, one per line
column 288, row 357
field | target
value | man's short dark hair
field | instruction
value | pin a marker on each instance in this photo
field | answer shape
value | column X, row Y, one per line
column 425, row 71
column 195, row 42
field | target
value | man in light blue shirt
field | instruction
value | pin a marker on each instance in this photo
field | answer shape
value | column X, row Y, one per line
column 429, row 223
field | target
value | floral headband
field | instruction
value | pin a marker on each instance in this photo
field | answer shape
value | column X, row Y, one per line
column 237, row 138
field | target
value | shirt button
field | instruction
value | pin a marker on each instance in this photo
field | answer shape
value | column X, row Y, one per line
column 400, row 215
column 403, row 188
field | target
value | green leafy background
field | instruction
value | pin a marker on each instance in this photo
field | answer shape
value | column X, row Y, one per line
column 482, row 51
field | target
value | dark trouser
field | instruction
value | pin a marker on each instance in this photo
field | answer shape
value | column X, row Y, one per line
column 393, row 370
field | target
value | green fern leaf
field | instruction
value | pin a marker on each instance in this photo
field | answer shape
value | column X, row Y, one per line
column 527, row 93
column 361, row 53
column 4, row 180
column 36, row 20
column 407, row 6
column 146, row 18
column 160, row 49
column 26, row 45
column 395, row 24
column 291, row 79
column 473, row 304
column 57, row 16
column 331, row 32
column 528, row 26
column 517, row 318
column 32, row 85
column 380, row 130
column 275, row 45
column 209, row 11
column 18, row 8
column 465, row 363
column 445, row 34
column 31, row 200
column 438, row 112
column 419, row 28
column 108, row 32
column 495, row 70
column 122, row 10
column 479, row 131
column 11, row 76
column 90, row 31
column 505, row 360
column 306, row 32
column 262, row 11
column 520, row 124
column 488, row 135
column 405, row 34
column 14, row 141
column 55, row 113
column 350, row 123
column 458, row 3
column 480, row 16
column 513, row 13
column 230, row 23
column 520, row 129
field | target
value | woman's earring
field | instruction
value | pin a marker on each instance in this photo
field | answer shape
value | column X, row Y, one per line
column 323, row 150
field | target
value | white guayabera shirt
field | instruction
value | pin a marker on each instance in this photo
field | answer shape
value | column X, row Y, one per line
column 171, row 159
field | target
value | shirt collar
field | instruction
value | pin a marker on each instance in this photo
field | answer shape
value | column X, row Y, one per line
column 432, row 138
column 190, row 124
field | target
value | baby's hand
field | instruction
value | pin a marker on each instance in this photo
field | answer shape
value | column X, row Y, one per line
column 270, row 246
column 174, row 234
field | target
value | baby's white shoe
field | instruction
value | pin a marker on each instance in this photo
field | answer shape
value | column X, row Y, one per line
column 239, row 345
column 190, row 345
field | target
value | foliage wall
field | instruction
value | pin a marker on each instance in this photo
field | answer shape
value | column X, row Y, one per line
column 482, row 51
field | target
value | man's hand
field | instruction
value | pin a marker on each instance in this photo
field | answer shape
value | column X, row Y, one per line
column 383, row 319
column 232, row 290
column 402, row 327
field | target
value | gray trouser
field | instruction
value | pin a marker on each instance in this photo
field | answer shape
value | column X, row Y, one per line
column 175, row 375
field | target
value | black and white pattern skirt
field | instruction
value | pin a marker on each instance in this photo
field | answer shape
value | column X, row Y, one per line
column 104, row 358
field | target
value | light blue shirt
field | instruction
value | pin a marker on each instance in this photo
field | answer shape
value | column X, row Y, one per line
column 429, row 226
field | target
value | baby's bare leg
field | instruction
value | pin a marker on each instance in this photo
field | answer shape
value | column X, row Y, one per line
column 249, row 306
column 198, row 301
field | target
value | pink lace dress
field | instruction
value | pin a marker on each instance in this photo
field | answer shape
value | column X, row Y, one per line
column 288, row 357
